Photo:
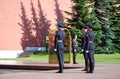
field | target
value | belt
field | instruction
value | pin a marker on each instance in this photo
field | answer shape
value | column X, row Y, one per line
column 90, row 41
column 76, row 45
column 59, row 41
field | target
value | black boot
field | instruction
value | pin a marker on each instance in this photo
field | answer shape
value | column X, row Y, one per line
column 74, row 58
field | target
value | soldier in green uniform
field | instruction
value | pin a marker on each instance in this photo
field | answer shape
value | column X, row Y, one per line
column 74, row 48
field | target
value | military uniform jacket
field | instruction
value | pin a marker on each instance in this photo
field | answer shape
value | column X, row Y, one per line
column 59, row 39
column 74, row 44
column 91, row 37
column 84, row 41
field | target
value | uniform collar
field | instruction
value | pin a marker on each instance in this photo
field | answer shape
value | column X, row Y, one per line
column 61, row 28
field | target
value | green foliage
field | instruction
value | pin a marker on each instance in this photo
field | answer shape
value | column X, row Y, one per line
column 82, row 15
column 116, row 23
column 79, row 14
column 103, row 13
column 105, row 16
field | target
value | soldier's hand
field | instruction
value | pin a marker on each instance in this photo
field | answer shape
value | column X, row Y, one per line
column 82, row 50
column 75, row 50
column 55, row 49
column 87, row 51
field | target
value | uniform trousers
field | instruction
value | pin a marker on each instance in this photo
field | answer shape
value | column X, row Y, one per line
column 86, row 59
column 60, row 55
column 91, row 60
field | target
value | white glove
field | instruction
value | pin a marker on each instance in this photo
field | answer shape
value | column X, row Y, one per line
column 55, row 49
column 75, row 50
column 82, row 50
column 87, row 51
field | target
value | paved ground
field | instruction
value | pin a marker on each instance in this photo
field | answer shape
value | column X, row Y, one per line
column 102, row 71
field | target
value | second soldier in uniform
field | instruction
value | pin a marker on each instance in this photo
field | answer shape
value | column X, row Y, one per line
column 84, row 46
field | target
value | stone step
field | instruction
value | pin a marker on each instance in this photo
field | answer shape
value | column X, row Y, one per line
column 12, row 64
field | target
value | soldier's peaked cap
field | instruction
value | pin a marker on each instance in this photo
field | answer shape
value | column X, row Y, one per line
column 84, row 26
column 75, row 34
column 90, row 25
column 60, row 24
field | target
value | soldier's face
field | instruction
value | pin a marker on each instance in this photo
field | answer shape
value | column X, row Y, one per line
column 83, row 29
column 88, row 28
column 75, row 37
